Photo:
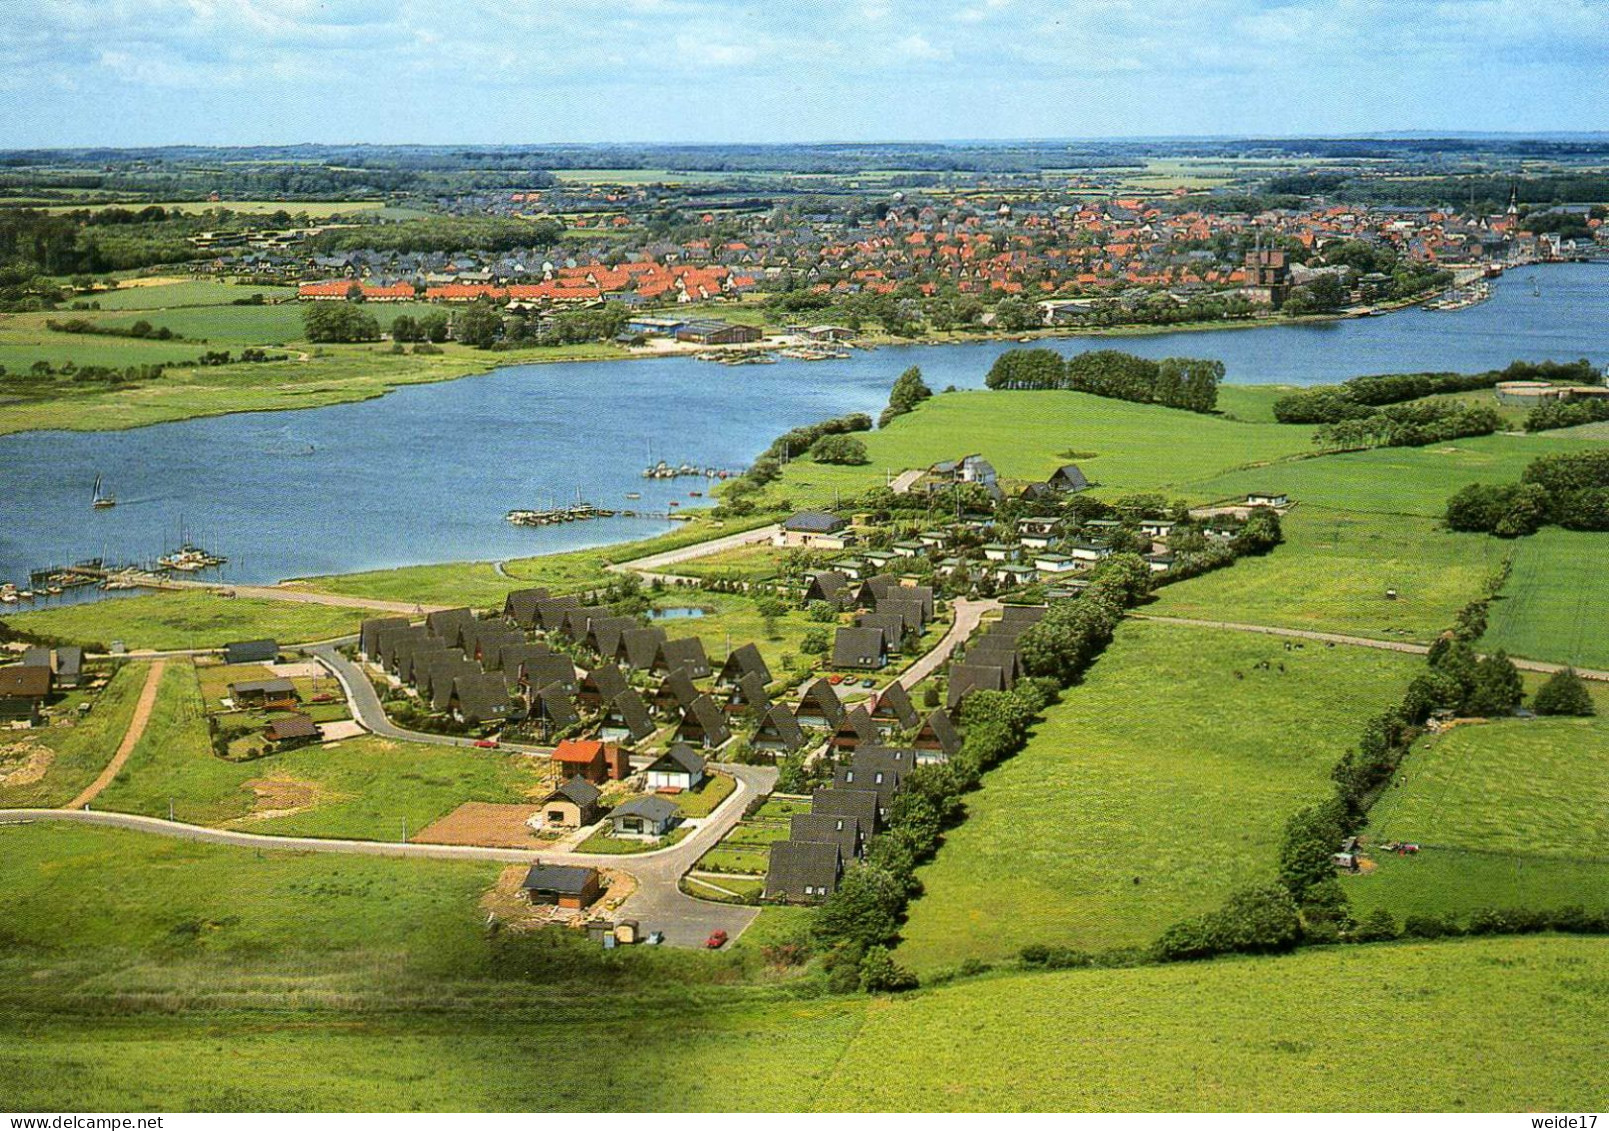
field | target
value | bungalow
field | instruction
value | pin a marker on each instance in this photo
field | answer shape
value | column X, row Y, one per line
column 1089, row 553
column 1159, row 563
column 568, row 887
column 819, row 706
column 675, row 693
column 1267, row 499
column 855, row 731
column 828, row 828
column 894, row 711
column 626, row 717
column 478, row 698
column 1037, row 541
column 860, row 804
column 1054, row 563
column 831, row 586
column 551, row 711
column 1157, row 527
column 908, row 549
column 803, row 871
column 748, row 695
column 1100, row 527
column 999, row 552
column 680, row 767
column 573, row 805
column 703, row 724
column 965, row 678
column 1068, row 478
column 644, row 816
column 251, row 652
column 933, row 539
column 600, row 686
column 778, row 732
column 746, row 658
column 591, row 760
column 937, row 736
column 686, row 654
column 23, row 690
column 1018, row 618
column 860, row 649
column 1038, row 526
column 851, row 568
column 266, row 694
column 1015, row 575
column 295, row 729
column 879, row 559
column 448, row 623
column 369, row 633
column 520, row 606
column 813, row 529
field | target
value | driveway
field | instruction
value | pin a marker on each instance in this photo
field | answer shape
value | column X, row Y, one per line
column 968, row 614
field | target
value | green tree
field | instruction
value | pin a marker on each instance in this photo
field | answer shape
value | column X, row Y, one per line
column 1565, row 693
column 909, row 391
column 1497, row 688
column 479, row 325
column 839, row 449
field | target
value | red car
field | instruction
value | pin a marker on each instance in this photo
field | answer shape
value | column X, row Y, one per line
column 487, row 744
column 835, row 679
column 716, row 941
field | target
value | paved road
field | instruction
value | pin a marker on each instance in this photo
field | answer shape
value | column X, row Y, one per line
column 1356, row 642
column 657, row 904
column 304, row 596
column 131, row 738
column 905, row 480
column 654, row 565
column 967, row 616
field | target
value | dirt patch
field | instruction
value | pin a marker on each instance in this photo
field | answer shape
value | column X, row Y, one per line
column 280, row 797
column 24, row 763
column 487, row 825
column 506, row 903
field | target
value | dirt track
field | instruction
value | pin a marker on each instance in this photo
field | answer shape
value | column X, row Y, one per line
column 131, row 739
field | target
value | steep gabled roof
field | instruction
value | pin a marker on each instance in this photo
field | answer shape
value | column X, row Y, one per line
column 966, row 678
column 938, row 733
column 703, row 721
column 746, row 658
column 857, row 727
column 779, row 726
column 676, row 690
column 894, row 706
column 628, row 710
column 858, row 803
column 605, row 681
column 864, row 648
column 686, row 653
column 639, row 646
column 679, row 757
column 797, row 865
column 823, row 697
column 520, row 606
column 827, row 828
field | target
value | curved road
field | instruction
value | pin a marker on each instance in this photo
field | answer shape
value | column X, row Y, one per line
column 658, row 903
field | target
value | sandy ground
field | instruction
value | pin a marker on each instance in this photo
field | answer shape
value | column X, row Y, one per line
column 31, row 762
column 486, row 824
column 507, row 903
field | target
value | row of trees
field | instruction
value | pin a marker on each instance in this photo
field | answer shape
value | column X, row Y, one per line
column 339, row 322
column 1409, row 425
column 1569, row 490
column 1176, row 382
column 1361, row 396
column 909, row 391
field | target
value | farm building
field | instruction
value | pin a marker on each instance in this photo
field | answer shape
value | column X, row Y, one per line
column 567, row 887
column 713, row 332
column 294, row 729
column 251, row 652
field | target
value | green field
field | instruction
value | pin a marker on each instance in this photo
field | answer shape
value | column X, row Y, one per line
column 1136, row 447
column 180, row 293
column 79, row 748
column 1147, row 794
column 178, row 619
column 237, row 980
column 1556, row 600
column 1332, row 574
column 366, row 788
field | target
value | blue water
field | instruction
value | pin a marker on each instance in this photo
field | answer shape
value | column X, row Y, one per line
column 426, row 473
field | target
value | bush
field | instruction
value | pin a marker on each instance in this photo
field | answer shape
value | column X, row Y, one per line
column 1428, row 927
column 1260, row 919
column 1564, row 694
column 842, row 450
column 1377, row 926
column 880, row 974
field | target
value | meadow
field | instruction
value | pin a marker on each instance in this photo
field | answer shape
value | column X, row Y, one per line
column 1332, row 574
column 179, row 619
column 237, row 980
column 1147, row 794
column 1554, row 604
column 367, row 788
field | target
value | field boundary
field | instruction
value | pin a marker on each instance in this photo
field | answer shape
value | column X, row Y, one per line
column 131, row 737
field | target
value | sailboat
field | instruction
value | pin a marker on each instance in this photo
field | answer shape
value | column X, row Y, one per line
column 99, row 501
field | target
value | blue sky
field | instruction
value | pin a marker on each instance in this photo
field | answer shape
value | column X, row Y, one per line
column 139, row 72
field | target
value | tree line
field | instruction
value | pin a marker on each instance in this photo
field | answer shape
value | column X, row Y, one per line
column 1569, row 490
column 1175, row 382
column 1359, row 397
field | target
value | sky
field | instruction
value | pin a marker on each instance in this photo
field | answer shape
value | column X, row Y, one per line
column 243, row 72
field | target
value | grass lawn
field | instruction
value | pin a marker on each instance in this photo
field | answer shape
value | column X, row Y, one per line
column 1136, row 447
column 704, row 800
column 1332, row 573
column 1556, row 600
column 1303, row 1032
column 367, row 788
column 232, row 979
column 179, row 292
column 79, row 748
column 1148, row 793
column 189, row 619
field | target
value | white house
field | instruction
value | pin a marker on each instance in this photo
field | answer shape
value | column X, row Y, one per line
column 680, row 767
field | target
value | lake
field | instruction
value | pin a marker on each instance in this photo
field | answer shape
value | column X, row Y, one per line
column 426, row 473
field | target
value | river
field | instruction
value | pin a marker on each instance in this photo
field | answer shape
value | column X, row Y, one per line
column 426, row 473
